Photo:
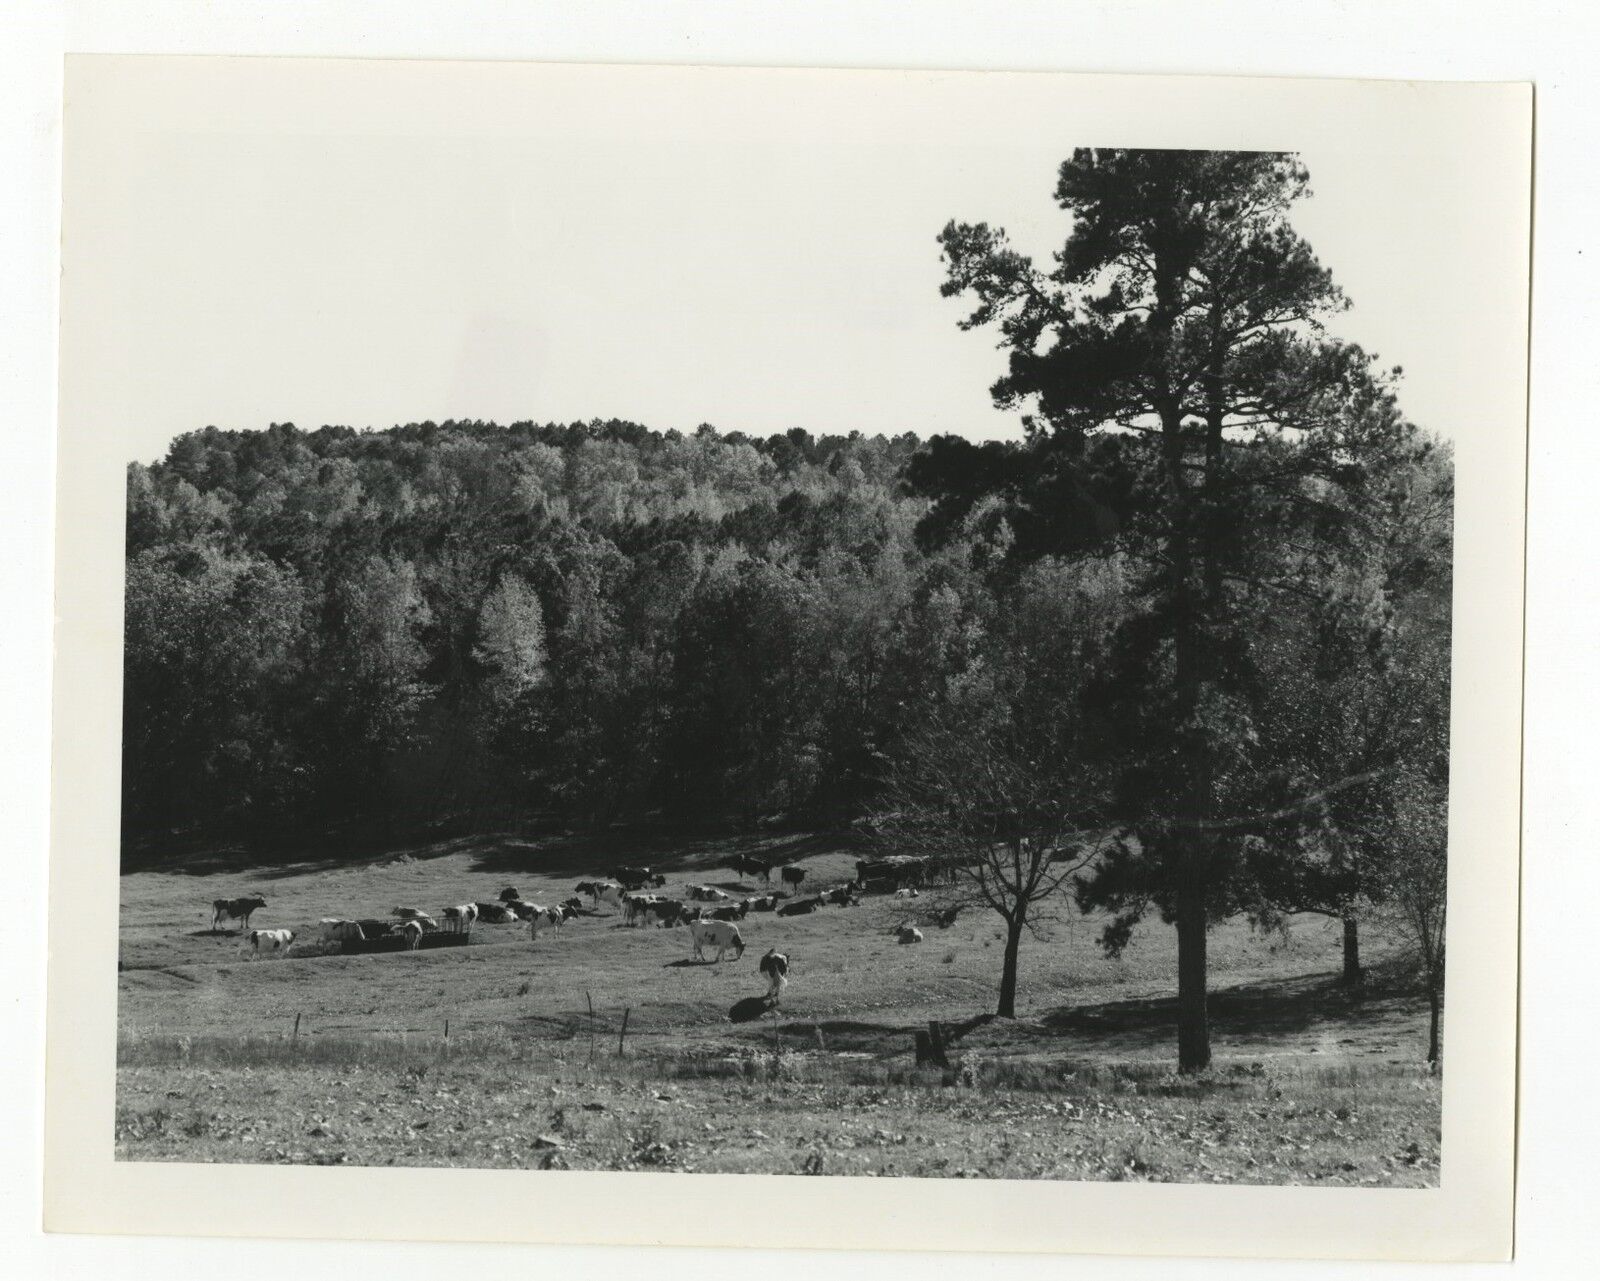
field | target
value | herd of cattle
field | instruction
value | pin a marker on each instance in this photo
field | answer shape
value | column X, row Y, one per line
column 710, row 914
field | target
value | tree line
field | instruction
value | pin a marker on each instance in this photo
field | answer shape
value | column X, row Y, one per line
column 1183, row 649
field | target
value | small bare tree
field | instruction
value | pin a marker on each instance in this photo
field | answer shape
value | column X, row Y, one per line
column 1412, row 908
column 969, row 791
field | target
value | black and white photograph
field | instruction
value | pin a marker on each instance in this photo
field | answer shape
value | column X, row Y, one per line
column 719, row 625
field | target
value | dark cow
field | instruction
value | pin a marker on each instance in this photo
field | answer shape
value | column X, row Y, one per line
column 572, row 905
column 495, row 913
column 235, row 909
column 636, row 878
column 844, row 896
column 509, row 893
column 775, row 965
column 591, row 888
column 735, row 912
column 766, row 903
column 800, row 906
column 792, row 876
column 750, row 865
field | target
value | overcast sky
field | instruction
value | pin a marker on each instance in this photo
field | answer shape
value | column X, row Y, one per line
column 758, row 260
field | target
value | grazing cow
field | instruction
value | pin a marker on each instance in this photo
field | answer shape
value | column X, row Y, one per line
column 591, row 888
column 907, row 892
column 610, row 892
column 509, row 893
column 908, row 934
column 411, row 932
column 775, row 965
column 800, row 906
column 330, row 929
column 718, row 934
column 572, row 905
column 235, row 909
column 414, row 914
column 269, row 940
column 792, row 876
column 766, row 903
column 844, row 896
column 734, row 912
column 495, row 913
column 459, row 919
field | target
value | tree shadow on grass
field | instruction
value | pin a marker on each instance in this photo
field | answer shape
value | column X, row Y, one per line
column 672, row 854
column 1270, row 1010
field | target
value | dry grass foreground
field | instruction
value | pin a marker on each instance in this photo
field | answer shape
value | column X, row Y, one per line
column 1312, row 1084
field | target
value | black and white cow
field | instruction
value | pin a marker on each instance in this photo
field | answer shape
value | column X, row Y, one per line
column 775, row 965
column 800, row 906
column 414, row 914
column 269, row 940
column 718, row 934
column 411, row 932
column 495, row 913
column 459, row 919
column 510, row 892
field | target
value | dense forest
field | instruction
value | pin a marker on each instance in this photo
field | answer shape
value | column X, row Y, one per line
column 1203, row 604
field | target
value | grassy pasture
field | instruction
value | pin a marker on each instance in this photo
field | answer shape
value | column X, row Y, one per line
column 1311, row 1083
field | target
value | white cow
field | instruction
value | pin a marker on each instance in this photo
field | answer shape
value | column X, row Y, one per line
column 269, row 940
column 411, row 932
column 414, row 914
column 459, row 919
column 904, row 892
column 719, row 934
column 331, row 929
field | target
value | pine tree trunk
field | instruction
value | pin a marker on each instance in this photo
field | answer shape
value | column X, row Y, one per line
column 1008, row 974
column 1434, row 1003
column 1352, row 952
column 1194, row 1030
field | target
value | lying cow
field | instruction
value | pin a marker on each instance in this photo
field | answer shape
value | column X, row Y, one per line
column 908, row 892
column 800, row 906
column 733, row 912
column 495, row 913
column 708, row 894
column 224, row 910
column 908, row 934
column 718, row 934
column 510, row 892
column 269, row 940
column 331, row 929
column 766, row 903
column 775, row 965
column 459, row 919
column 844, row 896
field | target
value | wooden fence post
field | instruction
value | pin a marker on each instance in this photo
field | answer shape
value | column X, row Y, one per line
column 294, row 1037
column 623, row 1035
column 590, row 1000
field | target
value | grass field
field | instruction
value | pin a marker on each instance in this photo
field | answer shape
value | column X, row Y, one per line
column 1311, row 1083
